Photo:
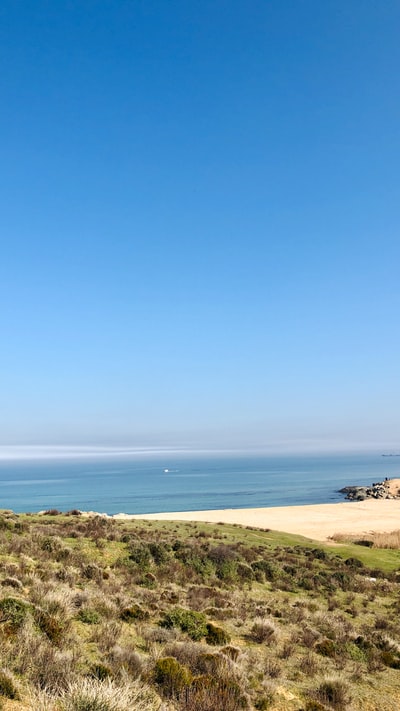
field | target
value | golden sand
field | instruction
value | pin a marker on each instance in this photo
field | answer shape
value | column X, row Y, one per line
column 317, row 521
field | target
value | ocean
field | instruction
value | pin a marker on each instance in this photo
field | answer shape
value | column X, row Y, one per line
column 132, row 484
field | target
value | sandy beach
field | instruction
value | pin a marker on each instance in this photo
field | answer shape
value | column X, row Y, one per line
column 318, row 521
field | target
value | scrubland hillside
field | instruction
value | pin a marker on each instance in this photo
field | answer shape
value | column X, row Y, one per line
column 100, row 615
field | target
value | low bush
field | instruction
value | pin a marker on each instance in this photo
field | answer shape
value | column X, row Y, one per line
column 354, row 563
column 12, row 583
column 171, row 677
column 95, row 695
column 193, row 623
column 263, row 631
column 14, row 612
column 140, row 554
column 327, row 648
column 7, row 685
column 54, row 625
column 52, row 512
column 334, row 692
column 91, row 571
column 125, row 658
column 208, row 693
column 134, row 612
column 216, row 635
column 100, row 671
column 391, row 660
column 89, row 617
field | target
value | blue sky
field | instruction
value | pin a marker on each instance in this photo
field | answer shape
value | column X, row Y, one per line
column 200, row 223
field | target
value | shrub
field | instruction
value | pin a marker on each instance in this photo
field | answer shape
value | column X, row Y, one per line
column 265, row 567
column 209, row 694
column 231, row 652
column 47, row 667
column 52, row 624
column 327, row 648
column 354, row 563
column 313, row 705
column 12, row 583
column 263, row 631
column 89, row 617
column 194, row 623
column 106, row 635
column 100, row 671
column 245, row 572
column 148, row 580
column 216, row 635
column 7, row 685
column 52, row 512
column 13, row 611
column 272, row 668
column 91, row 571
column 391, row 660
column 227, row 571
column 171, row 676
column 50, row 544
column 262, row 704
column 334, row 692
column 159, row 552
column 134, row 612
column 222, row 554
column 95, row 695
column 140, row 554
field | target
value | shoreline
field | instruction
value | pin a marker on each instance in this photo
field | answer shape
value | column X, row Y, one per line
column 315, row 521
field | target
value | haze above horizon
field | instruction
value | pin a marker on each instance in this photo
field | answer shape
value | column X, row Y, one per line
column 200, row 225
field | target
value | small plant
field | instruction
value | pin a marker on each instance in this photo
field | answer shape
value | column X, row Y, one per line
column 91, row 571
column 231, row 652
column 89, row 617
column 100, row 671
column 272, row 669
column 171, row 676
column 52, row 512
column 313, row 705
column 134, row 612
column 7, row 685
column 354, row 563
column 216, row 635
column 334, row 692
column 263, row 631
column 194, row 623
column 95, row 695
column 391, row 660
column 208, row 693
column 12, row 583
column 327, row 648
column 13, row 611
column 140, row 554
column 52, row 624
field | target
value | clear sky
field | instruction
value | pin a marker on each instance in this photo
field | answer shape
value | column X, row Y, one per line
column 200, row 212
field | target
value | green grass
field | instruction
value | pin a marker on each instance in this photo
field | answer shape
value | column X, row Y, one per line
column 110, row 598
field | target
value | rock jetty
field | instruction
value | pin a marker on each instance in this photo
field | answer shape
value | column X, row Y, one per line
column 378, row 490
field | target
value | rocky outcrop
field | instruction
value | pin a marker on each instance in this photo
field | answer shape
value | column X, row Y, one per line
column 378, row 490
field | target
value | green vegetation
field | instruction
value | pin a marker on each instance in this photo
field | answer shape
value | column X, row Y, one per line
column 100, row 615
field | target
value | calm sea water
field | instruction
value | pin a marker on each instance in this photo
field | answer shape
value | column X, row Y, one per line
column 135, row 485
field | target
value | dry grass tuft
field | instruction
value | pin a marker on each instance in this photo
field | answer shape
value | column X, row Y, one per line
column 389, row 540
